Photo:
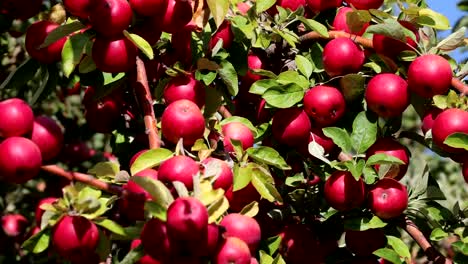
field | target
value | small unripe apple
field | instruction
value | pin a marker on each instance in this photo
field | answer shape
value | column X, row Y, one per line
column 232, row 251
column 110, row 17
column 324, row 104
column 340, row 21
column 14, row 225
column 35, row 36
column 20, row 160
column 179, row 168
column 429, row 118
column 387, row 95
column 243, row 227
column 342, row 56
column 39, row 212
column 240, row 198
column 223, row 172
column 183, row 119
column 391, row 47
column 17, row 118
column 321, row 5
column 78, row 8
column 223, row 33
column 21, row 9
column 184, row 87
column 364, row 243
column 114, row 55
column 388, row 198
column 148, row 7
column 390, row 146
column 429, row 75
column 343, row 192
column 237, row 131
column 366, row 4
column 146, row 259
column 176, row 15
column 291, row 126
column 48, row 136
column 155, row 240
column 450, row 121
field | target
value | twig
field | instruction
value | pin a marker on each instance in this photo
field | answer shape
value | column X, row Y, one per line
column 224, row 111
column 145, row 100
column 460, row 86
column 85, row 178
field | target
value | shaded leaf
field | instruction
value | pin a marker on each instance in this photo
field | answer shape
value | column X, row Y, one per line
column 268, row 156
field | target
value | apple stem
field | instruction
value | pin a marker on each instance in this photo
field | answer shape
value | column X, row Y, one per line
column 143, row 94
column 85, row 178
column 224, row 111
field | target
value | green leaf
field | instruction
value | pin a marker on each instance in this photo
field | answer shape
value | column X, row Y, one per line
column 111, row 226
column 382, row 158
column 353, row 86
column 284, row 96
column 461, row 247
column 268, row 156
column 370, row 176
column 357, row 19
column 399, row 246
column 156, row 210
column 304, row 65
column 438, row 234
column 242, row 177
column 440, row 101
column 293, row 77
column 316, row 150
column 228, row 75
column 141, row 44
column 265, row 258
column 261, row 86
column 23, row 73
column 250, row 210
column 273, row 244
column 134, row 255
column 105, row 170
column 263, row 5
column 315, row 26
column 61, row 32
column 340, row 137
column 218, row 209
column 430, row 18
column 149, row 159
column 157, row 190
column 392, row 29
column 218, row 9
column 363, row 223
column 364, row 132
column 264, row 184
column 295, row 180
column 356, row 168
column 457, row 140
column 289, row 36
column 73, row 52
column 48, row 84
column 246, row 122
column 454, row 41
column 388, row 254
column 37, row 243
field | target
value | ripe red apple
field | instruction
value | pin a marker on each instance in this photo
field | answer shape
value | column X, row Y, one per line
column 181, row 41
column 340, row 22
column 114, row 55
column 391, row 47
column 388, row 198
column 20, row 160
column 366, row 4
column 174, row 17
column 48, row 136
column 429, row 118
column 324, row 104
column 102, row 116
column 14, row 225
column 110, row 17
column 446, row 123
column 342, row 56
column 146, row 259
column 387, row 95
column 237, row 131
column 223, row 172
column 17, row 118
column 179, row 168
column 232, row 251
column 291, row 4
column 21, row 9
column 321, row 5
column 78, row 8
column 214, row 237
column 253, row 63
column 364, row 243
column 390, row 146
column 291, row 126
column 240, row 198
column 148, row 7
column 75, row 238
column 343, row 192
column 223, row 33
column 429, row 75
column 182, row 119
column 155, row 240
column 39, row 212
column 243, row 227
column 76, row 152
column 184, row 87
column 132, row 203
column 35, row 36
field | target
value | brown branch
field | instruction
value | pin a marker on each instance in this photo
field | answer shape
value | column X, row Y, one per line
column 85, row 178
column 460, row 86
column 224, row 111
column 143, row 94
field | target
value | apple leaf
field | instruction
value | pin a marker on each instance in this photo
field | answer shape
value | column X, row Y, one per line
column 293, row 77
column 356, row 168
column 250, row 210
column 353, row 86
column 149, row 159
column 105, row 170
column 261, row 86
column 454, row 41
column 211, row 196
column 264, row 184
column 457, row 140
column 461, row 247
column 180, row 189
column 134, row 255
column 382, row 158
column 430, row 18
column 304, row 66
column 86, row 65
column 228, row 75
column 273, row 244
column 218, row 209
column 389, row 255
column 268, row 156
column 295, row 180
column 111, row 226
column 357, row 19
column 19, row 77
column 39, row 242
column 392, row 29
column 140, row 43
column 218, row 9
column 72, row 52
column 364, row 132
column 263, row 5
column 156, row 210
column 363, row 223
column 284, row 96
column 316, row 150
column 314, row 26
column 157, row 190
column 370, row 176
column 399, row 246
column 239, row 119
column 61, row 32
column 438, row 234
column 265, row 258
column 340, row 137
column 242, row 176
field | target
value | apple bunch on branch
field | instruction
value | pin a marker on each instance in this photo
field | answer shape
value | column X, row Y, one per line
column 229, row 131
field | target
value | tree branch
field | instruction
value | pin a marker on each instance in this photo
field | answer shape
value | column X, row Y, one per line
column 224, row 111
column 145, row 100
column 460, row 86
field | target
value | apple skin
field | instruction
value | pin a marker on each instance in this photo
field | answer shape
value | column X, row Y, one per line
column 291, row 4
column 102, row 116
column 184, row 87
column 342, row 56
column 183, row 119
column 237, row 131
column 48, row 136
column 110, row 17
column 387, row 95
column 21, row 9
column 75, row 152
column 232, row 251
column 146, row 259
column 179, row 168
column 244, row 227
column 429, row 75
column 465, row 171
column 14, row 225
column 187, row 219
column 364, row 243
column 155, row 240
column 17, row 118
column 339, row 23
column 75, row 238
column 174, row 17
column 324, row 104
column 224, row 33
column 20, row 160
column 148, row 7
column 446, row 123
column 78, row 8
column 39, row 212
column 35, row 36
column 388, row 198
column 181, row 41
column 224, row 177
column 366, row 4
column 321, row 5
column 428, row 119
column 132, row 204
column 291, row 126
column 393, row 148
column 240, row 198
column 343, row 192
column 114, row 55
column 391, row 47
column 254, row 62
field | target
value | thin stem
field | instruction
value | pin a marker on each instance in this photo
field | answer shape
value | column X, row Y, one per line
column 460, row 86
column 224, row 111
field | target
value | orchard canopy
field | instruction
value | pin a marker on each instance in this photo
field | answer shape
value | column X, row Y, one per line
column 233, row 131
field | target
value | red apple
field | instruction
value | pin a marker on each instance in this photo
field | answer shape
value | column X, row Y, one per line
column 155, row 240
column 184, row 87
column 388, row 198
column 391, row 47
column 253, row 63
column 35, row 36
column 17, row 118
column 78, row 8
column 342, row 56
column 150, row 34
column 232, row 251
column 290, row 4
column 237, row 131
column 366, row 4
column 446, row 123
column 343, row 192
column 132, row 203
column 102, row 116
column 179, row 168
column 222, row 171
column 321, row 5
column 21, row 9
column 181, row 41
column 340, row 21
column 114, row 55
column 223, row 33
column 429, row 75
column 387, row 95
column 20, row 160
column 183, row 119
column 14, row 225
column 429, row 118
column 324, row 104
column 240, row 198
column 390, row 146
column 48, row 136
column 174, row 17
column 39, row 212
column 76, row 152
column 364, row 243
column 110, row 17
column 291, row 126
column 243, row 227
column 148, row 7
column 214, row 237
column 146, row 259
